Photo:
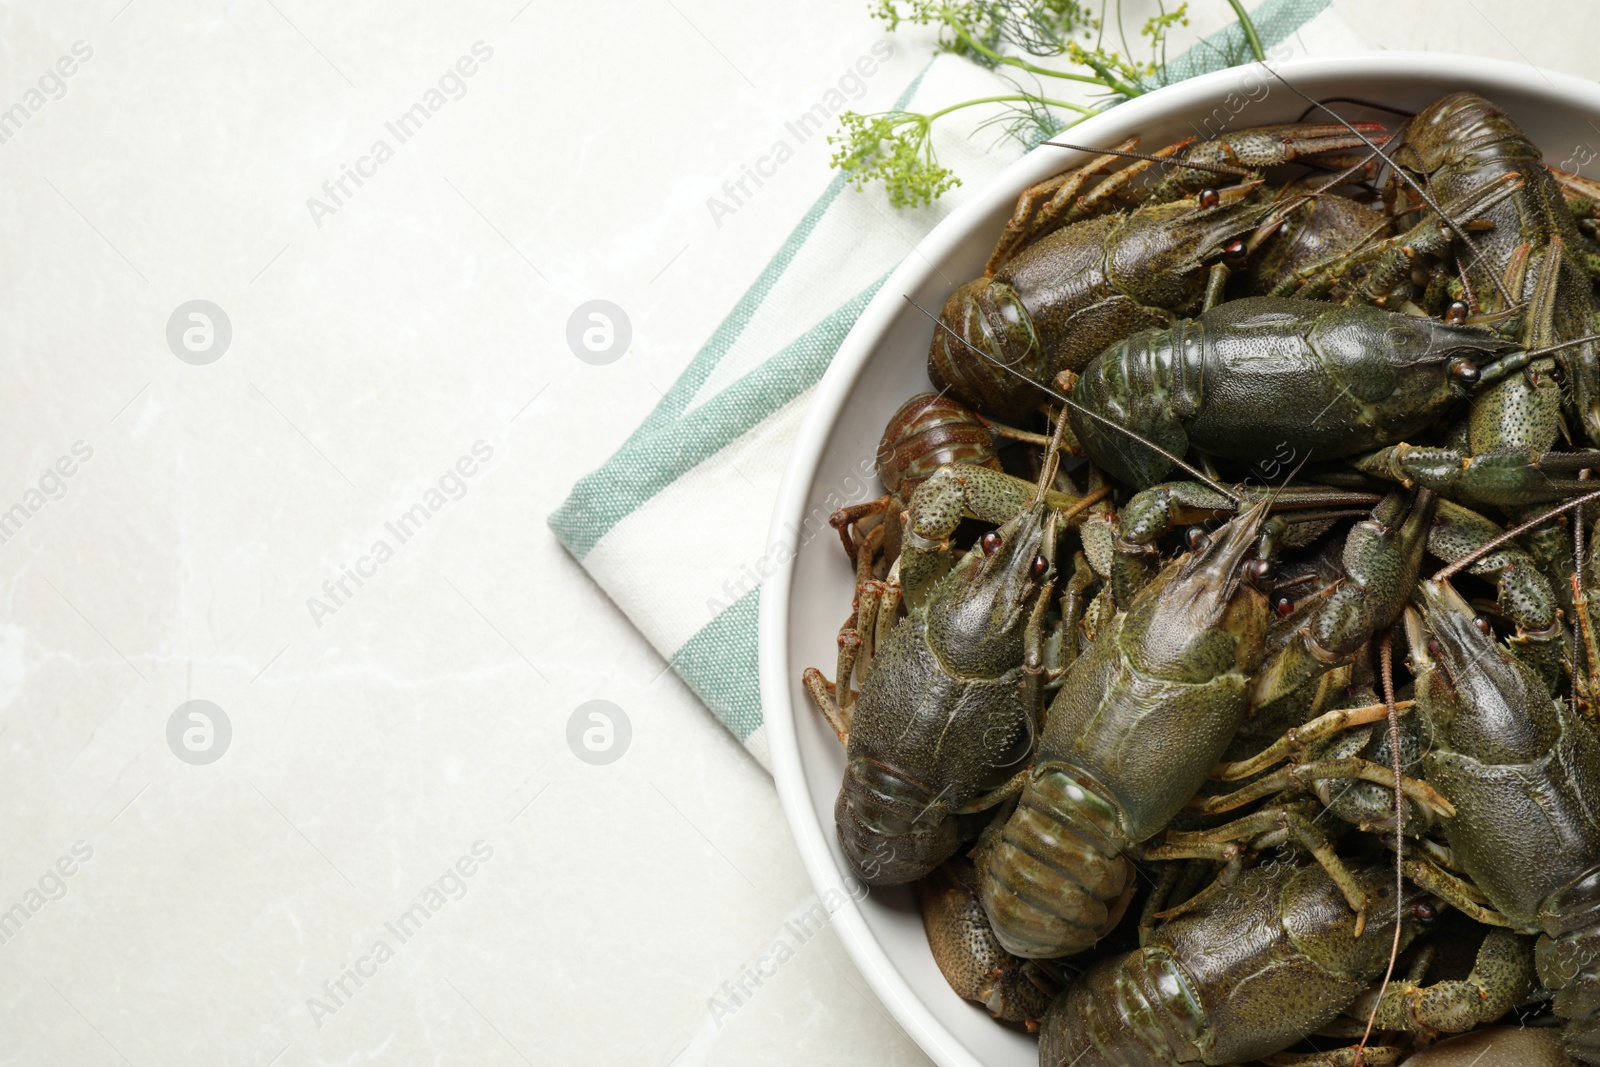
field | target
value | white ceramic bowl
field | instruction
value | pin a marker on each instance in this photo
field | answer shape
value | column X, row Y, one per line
column 883, row 361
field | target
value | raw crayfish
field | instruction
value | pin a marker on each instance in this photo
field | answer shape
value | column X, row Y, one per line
column 1108, row 688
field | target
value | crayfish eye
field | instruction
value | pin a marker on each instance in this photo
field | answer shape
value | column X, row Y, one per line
column 1259, row 570
column 1284, row 607
column 1209, row 198
column 1462, row 370
column 1456, row 313
column 1482, row 624
column 1425, row 911
column 990, row 543
column 1233, row 251
column 1039, row 567
column 1197, row 539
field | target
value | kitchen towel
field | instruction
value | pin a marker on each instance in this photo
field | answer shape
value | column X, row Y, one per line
column 718, row 442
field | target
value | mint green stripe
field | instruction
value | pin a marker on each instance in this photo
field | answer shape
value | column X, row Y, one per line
column 729, row 330
column 720, row 661
column 657, row 453
column 635, row 473
column 720, row 664
column 649, row 462
column 1275, row 21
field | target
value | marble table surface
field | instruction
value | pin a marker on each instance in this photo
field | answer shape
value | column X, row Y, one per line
column 288, row 655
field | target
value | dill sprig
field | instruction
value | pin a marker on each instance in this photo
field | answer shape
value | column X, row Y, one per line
column 896, row 147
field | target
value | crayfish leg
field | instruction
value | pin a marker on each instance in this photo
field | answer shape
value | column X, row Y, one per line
column 1453, row 891
column 1371, row 1056
column 1296, row 739
column 1389, row 260
column 1041, row 207
column 1256, row 830
column 1502, row 977
column 821, row 691
column 836, row 700
column 853, row 522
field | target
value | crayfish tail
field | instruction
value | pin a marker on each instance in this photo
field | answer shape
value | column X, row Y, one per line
column 1567, row 959
column 1138, row 1008
column 892, row 830
column 1051, row 877
column 968, row 955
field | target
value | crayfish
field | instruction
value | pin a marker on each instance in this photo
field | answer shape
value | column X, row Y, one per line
column 1224, row 666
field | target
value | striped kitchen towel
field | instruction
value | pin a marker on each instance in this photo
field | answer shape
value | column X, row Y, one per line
column 718, row 442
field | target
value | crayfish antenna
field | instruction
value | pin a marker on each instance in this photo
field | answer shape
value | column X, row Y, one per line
column 1583, row 648
column 1277, row 491
column 1173, row 161
column 1386, row 669
column 1275, row 215
column 1052, row 456
column 1355, row 100
column 1493, row 543
column 1427, row 198
column 1509, row 365
column 1279, row 213
column 1179, row 461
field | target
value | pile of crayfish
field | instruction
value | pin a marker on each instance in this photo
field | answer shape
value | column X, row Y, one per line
column 1223, row 666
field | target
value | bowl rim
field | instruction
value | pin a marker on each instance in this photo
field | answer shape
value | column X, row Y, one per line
column 814, row 839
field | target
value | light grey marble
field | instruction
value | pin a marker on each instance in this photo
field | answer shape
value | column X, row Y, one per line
column 412, row 729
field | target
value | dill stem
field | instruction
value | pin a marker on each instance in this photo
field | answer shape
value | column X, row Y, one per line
column 1008, row 99
column 1102, row 78
column 1249, row 28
